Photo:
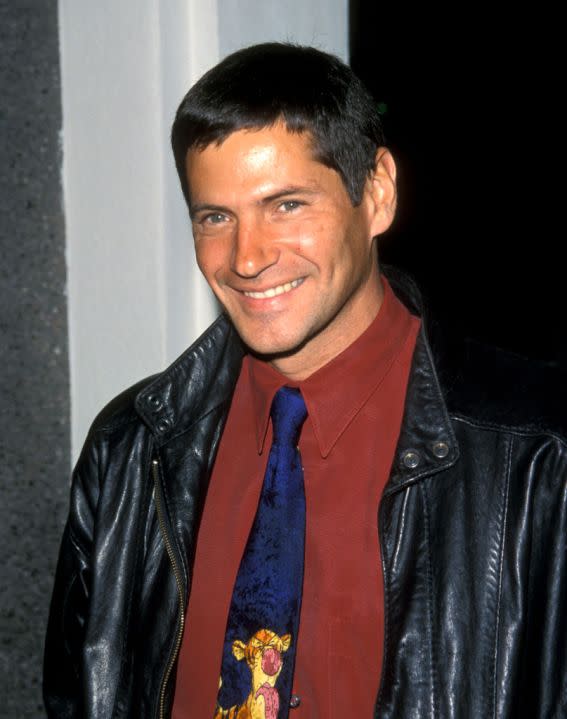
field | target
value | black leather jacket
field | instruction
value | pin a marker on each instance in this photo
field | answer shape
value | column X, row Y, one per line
column 472, row 526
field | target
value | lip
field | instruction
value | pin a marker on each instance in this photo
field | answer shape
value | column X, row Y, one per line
column 272, row 292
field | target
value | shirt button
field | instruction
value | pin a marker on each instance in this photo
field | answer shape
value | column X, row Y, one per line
column 411, row 459
column 440, row 449
column 294, row 701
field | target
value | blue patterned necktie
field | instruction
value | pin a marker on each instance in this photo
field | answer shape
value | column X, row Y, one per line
column 263, row 620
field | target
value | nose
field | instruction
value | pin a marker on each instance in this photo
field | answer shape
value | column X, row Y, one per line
column 253, row 249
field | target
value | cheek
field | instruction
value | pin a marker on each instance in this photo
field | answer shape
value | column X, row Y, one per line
column 321, row 243
column 294, row 237
column 211, row 254
column 354, row 249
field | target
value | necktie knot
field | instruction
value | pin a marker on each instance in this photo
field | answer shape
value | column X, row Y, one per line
column 288, row 414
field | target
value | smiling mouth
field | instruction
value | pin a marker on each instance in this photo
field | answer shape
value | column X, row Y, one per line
column 274, row 291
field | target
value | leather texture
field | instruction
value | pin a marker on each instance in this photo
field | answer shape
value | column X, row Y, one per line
column 472, row 527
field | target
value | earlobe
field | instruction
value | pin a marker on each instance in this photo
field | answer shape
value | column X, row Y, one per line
column 384, row 192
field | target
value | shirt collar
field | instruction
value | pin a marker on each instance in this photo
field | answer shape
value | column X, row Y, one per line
column 337, row 392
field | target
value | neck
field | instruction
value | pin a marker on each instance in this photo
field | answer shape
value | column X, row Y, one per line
column 353, row 319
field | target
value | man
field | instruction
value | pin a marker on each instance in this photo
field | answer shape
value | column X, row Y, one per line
column 433, row 553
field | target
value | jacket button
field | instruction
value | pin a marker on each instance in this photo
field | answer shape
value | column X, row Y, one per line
column 155, row 402
column 163, row 425
column 440, row 449
column 411, row 459
column 294, row 701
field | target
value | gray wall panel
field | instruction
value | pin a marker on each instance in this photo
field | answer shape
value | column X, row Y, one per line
column 34, row 404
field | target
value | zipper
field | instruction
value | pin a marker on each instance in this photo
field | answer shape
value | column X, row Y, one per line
column 178, row 579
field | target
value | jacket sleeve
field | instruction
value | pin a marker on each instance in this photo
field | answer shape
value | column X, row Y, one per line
column 62, row 675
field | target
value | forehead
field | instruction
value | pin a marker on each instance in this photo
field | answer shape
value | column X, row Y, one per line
column 251, row 159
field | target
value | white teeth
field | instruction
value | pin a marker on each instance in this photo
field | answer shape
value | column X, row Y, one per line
column 274, row 291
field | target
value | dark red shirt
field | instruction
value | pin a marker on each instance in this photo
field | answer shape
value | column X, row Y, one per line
column 355, row 405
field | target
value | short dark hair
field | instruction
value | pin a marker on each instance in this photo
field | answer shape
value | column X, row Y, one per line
column 309, row 90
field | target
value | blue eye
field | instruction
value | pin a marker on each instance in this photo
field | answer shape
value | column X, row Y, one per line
column 290, row 205
column 215, row 218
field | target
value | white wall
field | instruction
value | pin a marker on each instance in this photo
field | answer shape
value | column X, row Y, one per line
column 136, row 298
column 322, row 23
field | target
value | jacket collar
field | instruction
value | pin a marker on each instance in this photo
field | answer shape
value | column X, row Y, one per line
column 200, row 380
column 427, row 442
column 204, row 377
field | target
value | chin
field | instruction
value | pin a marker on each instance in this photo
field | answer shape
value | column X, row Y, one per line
column 270, row 347
column 269, row 350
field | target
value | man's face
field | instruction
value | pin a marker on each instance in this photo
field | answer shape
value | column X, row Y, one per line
column 285, row 252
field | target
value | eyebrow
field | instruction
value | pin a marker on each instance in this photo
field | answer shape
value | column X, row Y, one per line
column 283, row 192
column 194, row 209
column 289, row 190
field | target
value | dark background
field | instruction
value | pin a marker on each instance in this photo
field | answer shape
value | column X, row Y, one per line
column 474, row 118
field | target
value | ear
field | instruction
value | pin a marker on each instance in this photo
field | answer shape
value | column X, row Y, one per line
column 286, row 641
column 381, row 192
column 238, row 649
